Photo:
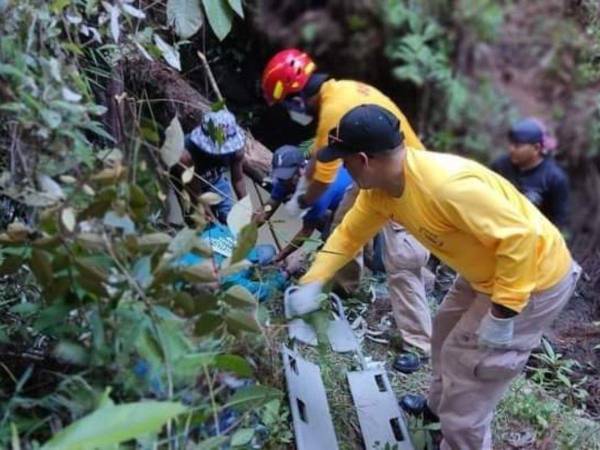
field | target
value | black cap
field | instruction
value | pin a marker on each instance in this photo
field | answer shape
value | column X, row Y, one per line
column 287, row 159
column 365, row 128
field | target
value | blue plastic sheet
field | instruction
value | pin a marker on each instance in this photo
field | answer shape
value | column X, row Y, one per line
column 263, row 282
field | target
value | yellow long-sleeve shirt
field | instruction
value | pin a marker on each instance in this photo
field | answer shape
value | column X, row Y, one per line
column 469, row 217
column 336, row 99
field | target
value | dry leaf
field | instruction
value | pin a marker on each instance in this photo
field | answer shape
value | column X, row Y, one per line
column 68, row 219
column 187, row 175
column 210, row 198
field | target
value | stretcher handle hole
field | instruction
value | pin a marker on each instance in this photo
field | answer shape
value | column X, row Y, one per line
column 380, row 383
column 293, row 364
column 302, row 410
column 397, row 429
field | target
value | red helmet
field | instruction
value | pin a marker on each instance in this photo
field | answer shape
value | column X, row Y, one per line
column 286, row 73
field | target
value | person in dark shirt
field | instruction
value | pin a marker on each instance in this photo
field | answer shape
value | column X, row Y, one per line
column 214, row 147
column 530, row 166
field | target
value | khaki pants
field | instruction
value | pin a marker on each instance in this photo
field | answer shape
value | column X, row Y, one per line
column 404, row 259
column 469, row 381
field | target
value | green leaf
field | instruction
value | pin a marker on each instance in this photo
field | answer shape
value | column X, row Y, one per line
column 115, row 220
column 172, row 148
column 319, row 320
column 220, row 16
column 58, row 5
column 235, row 364
column 114, row 424
column 52, row 118
column 183, row 242
column 213, row 443
column 186, row 16
column 142, row 272
column 237, row 320
column 239, row 296
column 253, row 397
column 236, row 5
column 207, row 323
column 202, row 272
column 242, row 437
column 153, row 241
column 191, row 365
column 71, row 352
column 137, row 198
column 169, row 53
column 41, row 267
column 245, row 242
column 240, row 215
column 409, row 73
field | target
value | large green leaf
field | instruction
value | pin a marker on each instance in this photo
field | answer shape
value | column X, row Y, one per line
column 239, row 320
column 253, row 397
column 239, row 296
column 207, row 323
column 242, row 437
column 213, row 443
column 186, row 16
column 114, row 424
column 234, row 363
column 220, row 16
column 246, row 240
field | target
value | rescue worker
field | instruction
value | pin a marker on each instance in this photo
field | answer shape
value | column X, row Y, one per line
column 290, row 77
column 515, row 271
column 214, row 147
column 287, row 171
column 530, row 166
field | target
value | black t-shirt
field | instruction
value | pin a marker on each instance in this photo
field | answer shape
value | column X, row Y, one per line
column 546, row 186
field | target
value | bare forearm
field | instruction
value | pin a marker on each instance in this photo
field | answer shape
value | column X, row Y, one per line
column 314, row 192
column 240, row 188
column 296, row 243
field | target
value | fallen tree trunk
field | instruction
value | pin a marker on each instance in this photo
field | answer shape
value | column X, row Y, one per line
column 166, row 87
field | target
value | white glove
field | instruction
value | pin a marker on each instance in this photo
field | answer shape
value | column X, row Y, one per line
column 496, row 332
column 305, row 299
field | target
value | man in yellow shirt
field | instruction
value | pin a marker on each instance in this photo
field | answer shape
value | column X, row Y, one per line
column 515, row 271
column 290, row 77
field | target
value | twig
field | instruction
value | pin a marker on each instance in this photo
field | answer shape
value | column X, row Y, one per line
column 213, row 403
column 211, row 77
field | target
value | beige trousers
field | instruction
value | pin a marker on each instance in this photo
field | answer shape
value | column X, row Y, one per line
column 404, row 259
column 469, row 381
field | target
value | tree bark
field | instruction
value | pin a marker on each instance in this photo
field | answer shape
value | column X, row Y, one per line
column 176, row 96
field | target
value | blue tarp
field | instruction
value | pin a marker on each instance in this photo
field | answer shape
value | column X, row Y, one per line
column 263, row 282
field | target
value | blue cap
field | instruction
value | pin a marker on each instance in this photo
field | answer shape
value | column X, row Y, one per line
column 287, row 159
column 526, row 131
column 365, row 128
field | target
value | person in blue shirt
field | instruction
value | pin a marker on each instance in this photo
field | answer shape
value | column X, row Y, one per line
column 530, row 166
column 288, row 166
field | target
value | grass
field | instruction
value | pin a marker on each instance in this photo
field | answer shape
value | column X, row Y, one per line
column 528, row 409
column 529, row 416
